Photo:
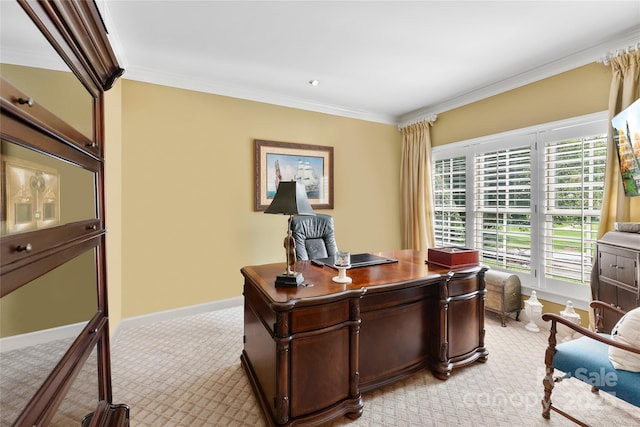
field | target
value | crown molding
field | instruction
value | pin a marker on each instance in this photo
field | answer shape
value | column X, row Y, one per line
column 578, row 59
column 570, row 62
column 251, row 94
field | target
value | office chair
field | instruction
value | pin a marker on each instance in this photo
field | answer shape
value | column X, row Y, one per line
column 314, row 236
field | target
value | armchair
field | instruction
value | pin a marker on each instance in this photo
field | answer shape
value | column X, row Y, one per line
column 587, row 359
column 314, row 236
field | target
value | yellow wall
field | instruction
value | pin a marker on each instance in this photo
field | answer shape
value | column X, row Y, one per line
column 573, row 93
column 188, row 224
column 113, row 195
column 187, row 170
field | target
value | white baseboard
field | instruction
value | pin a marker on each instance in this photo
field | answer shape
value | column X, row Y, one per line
column 177, row 312
column 71, row 331
column 40, row 337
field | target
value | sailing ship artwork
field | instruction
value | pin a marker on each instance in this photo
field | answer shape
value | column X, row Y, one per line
column 304, row 173
column 311, row 165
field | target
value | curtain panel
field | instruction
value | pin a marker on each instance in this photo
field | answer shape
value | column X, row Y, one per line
column 415, row 182
column 625, row 89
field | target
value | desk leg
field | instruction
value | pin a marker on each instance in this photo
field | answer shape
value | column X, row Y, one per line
column 443, row 366
column 354, row 383
column 282, row 381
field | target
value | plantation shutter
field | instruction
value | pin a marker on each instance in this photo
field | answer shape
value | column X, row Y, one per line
column 450, row 201
column 503, row 208
column 573, row 180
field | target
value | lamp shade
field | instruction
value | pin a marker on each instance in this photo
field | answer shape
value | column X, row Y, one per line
column 290, row 199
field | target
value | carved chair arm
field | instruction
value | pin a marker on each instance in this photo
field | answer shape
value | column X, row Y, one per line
column 599, row 309
column 607, row 306
column 554, row 318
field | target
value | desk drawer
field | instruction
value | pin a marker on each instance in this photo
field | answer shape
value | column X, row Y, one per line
column 380, row 300
column 319, row 316
column 464, row 286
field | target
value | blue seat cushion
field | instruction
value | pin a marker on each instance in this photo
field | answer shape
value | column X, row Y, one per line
column 588, row 360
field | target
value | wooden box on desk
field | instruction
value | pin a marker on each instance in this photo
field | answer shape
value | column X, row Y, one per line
column 452, row 257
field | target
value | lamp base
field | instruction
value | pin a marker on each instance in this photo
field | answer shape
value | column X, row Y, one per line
column 292, row 280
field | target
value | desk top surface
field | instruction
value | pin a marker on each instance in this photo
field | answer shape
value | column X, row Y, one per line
column 410, row 269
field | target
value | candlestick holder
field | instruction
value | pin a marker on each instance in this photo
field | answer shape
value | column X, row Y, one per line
column 342, row 261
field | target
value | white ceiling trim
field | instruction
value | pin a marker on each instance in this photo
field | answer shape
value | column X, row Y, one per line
column 596, row 53
column 578, row 59
column 178, row 81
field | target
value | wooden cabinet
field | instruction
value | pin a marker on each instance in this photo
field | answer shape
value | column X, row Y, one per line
column 461, row 323
column 310, row 352
column 618, row 274
column 52, row 228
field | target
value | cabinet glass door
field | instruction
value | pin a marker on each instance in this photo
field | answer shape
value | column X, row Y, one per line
column 38, row 323
column 31, row 64
column 82, row 398
column 39, row 191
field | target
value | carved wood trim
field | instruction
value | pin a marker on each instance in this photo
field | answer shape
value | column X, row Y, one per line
column 76, row 30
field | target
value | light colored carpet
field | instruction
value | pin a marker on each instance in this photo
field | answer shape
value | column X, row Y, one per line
column 186, row 372
column 23, row 371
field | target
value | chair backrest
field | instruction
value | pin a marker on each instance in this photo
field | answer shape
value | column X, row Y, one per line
column 314, row 236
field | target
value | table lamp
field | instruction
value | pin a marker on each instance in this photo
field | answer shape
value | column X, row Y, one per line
column 290, row 199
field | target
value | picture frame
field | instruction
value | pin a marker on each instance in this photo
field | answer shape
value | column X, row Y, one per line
column 32, row 194
column 283, row 161
column 625, row 128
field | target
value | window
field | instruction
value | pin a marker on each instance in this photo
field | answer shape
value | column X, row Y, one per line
column 503, row 208
column 573, row 182
column 528, row 200
column 450, row 201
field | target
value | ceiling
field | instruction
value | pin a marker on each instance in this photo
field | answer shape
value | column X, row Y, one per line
column 386, row 61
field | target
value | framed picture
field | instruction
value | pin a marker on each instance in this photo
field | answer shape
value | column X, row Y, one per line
column 282, row 161
column 626, row 128
column 32, row 196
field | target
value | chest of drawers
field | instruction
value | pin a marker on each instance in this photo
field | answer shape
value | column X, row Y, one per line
column 618, row 273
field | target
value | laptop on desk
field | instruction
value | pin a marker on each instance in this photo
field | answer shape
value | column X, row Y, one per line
column 357, row 260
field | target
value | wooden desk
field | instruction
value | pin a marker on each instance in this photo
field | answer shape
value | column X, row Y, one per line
column 310, row 352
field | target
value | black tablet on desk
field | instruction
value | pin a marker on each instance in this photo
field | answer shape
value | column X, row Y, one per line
column 357, row 260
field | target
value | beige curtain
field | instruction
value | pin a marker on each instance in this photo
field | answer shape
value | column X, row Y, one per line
column 625, row 88
column 415, row 181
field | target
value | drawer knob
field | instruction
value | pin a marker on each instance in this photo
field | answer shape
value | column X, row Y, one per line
column 27, row 101
column 24, row 248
